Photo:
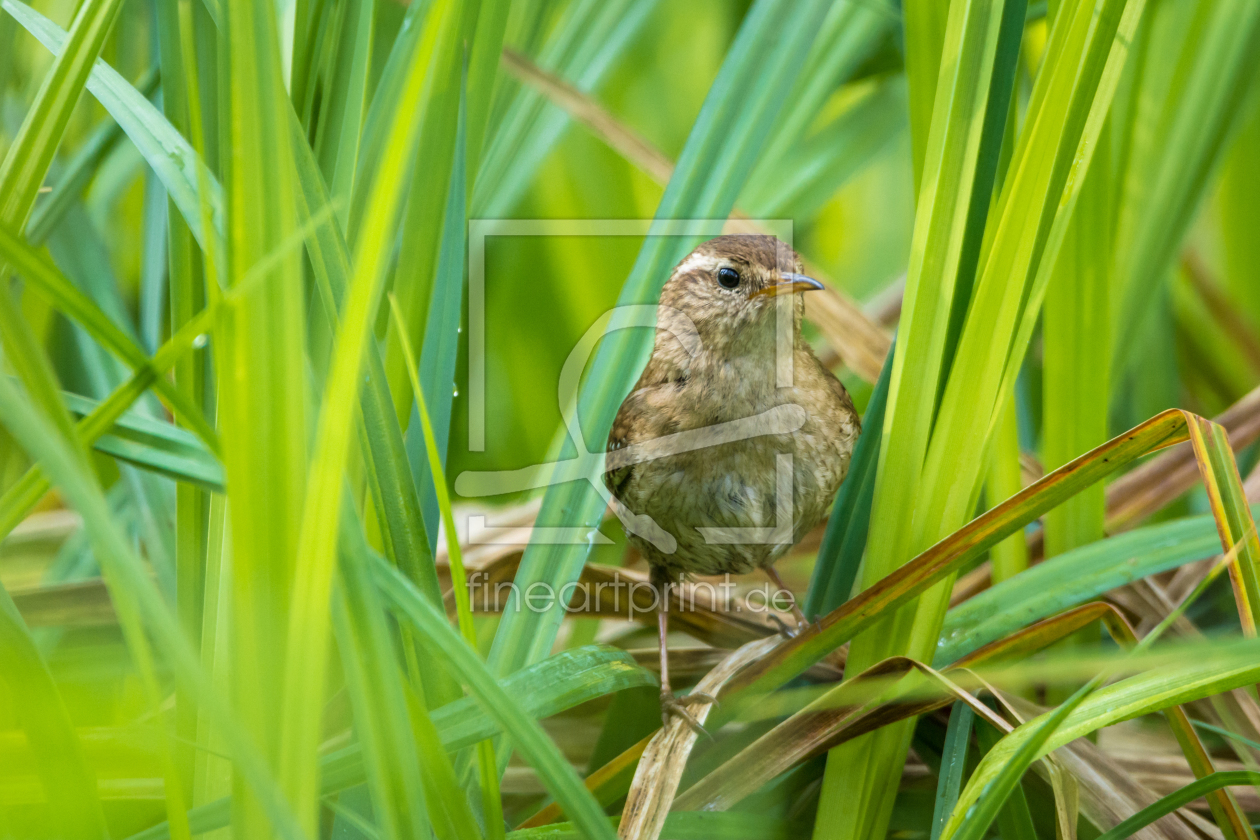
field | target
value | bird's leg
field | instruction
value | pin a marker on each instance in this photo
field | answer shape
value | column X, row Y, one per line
column 671, row 705
column 801, row 621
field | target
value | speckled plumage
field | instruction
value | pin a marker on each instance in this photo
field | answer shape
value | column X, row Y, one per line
column 732, row 375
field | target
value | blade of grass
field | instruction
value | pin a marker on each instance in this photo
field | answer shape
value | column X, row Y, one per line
column 308, row 627
column 953, row 765
column 555, row 771
column 1183, row 796
column 441, row 335
column 134, row 594
column 1211, row 79
column 44, row 276
column 262, row 407
column 844, row 543
column 1066, row 114
column 486, row 763
column 391, row 482
column 162, row 146
column 554, row 685
column 401, row 794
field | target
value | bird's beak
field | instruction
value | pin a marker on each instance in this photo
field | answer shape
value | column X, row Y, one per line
column 790, row 284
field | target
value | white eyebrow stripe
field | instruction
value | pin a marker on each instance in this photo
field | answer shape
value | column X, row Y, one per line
column 694, row 261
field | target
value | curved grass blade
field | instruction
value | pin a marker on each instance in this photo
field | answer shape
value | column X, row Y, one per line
column 391, row 481
column 22, row 172
column 837, row 627
column 153, row 445
column 486, row 763
column 163, row 147
column 136, row 597
column 1072, row 578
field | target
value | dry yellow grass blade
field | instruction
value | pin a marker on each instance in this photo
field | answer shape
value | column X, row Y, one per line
column 859, row 342
column 661, row 768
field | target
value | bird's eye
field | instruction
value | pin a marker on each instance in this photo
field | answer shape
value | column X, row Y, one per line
column 728, row 278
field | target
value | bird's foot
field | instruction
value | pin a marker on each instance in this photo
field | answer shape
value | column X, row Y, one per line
column 786, row 631
column 672, row 706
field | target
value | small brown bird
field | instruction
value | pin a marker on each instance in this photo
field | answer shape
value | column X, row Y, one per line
column 734, row 441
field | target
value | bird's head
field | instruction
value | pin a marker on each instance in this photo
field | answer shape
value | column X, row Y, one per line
column 728, row 287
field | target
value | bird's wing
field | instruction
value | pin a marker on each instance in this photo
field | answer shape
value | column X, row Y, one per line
column 635, row 419
column 837, row 388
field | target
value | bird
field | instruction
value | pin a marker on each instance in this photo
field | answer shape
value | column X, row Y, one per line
column 696, row 451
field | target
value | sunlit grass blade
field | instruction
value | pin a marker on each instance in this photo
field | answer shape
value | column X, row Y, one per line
column 24, row 493
column 135, row 595
column 153, row 445
column 437, row 190
column 1072, row 578
column 262, row 401
column 390, row 480
column 21, row 174
column 913, row 578
column 1066, row 112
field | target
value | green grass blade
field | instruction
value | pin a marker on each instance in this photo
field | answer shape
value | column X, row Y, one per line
column 953, row 765
column 952, row 202
column 1209, row 85
column 844, row 542
column 45, row 277
column 546, row 688
column 528, row 738
column 486, row 762
column 582, row 48
column 441, row 338
column 153, row 445
column 1178, row 798
column 134, row 594
column 1072, row 578
column 306, row 655
column 262, row 407
column 390, row 480
column 162, row 146
column 400, row 795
